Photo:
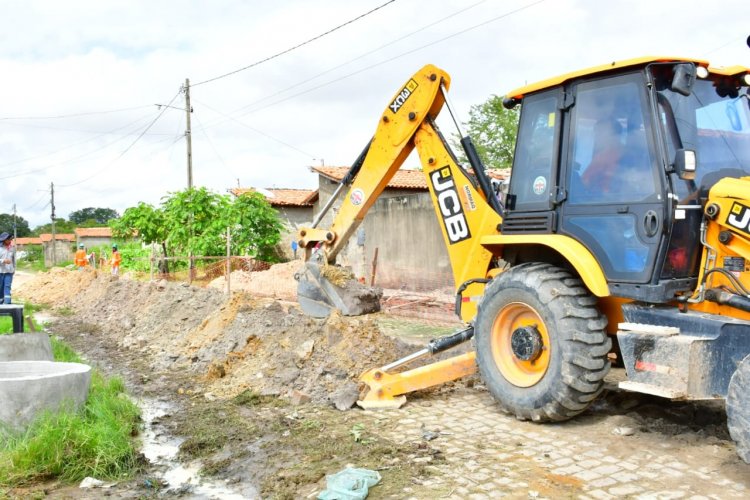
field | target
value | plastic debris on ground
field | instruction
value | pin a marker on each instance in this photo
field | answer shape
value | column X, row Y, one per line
column 349, row 484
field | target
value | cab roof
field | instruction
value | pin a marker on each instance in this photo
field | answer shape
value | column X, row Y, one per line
column 519, row 93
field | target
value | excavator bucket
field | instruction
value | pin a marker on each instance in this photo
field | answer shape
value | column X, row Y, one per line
column 322, row 288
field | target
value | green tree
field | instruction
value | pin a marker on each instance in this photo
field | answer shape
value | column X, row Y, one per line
column 257, row 227
column 148, row 223
column 61, row 226
column 493, row 129
column 195, row 221
column 88, row 216
column 22, row 225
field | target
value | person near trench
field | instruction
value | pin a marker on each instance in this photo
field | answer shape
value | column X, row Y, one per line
column 81, row 258
column 7, row 265
column 115, row 260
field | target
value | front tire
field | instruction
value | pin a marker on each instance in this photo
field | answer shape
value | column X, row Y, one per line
column 738, row 408
column 541, row 343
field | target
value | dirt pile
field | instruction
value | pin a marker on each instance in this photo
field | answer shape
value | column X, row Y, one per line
column 277, row 282
column 231, row 343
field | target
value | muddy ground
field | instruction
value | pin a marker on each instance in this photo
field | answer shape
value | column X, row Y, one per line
column 255, row 397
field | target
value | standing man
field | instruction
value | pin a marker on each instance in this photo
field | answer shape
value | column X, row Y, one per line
column 7, row 265
column 81, row 259
column 115, row 261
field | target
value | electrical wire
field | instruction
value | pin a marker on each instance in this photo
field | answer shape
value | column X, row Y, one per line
column 69, row 160
column 361, row 56
column 386, row 61
column 211, row 143
column 72, row 115
column 126, row 149
column 110, row 132
column 296, row 46
column 256, row 130
column 35, row 203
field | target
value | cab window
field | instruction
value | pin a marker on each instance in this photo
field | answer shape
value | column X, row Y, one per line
column 533, row 175
column 610, row 160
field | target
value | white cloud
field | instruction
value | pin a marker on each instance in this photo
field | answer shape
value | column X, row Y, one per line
column 75, row 57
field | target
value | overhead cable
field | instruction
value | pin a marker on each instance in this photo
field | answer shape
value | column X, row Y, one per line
column 295, row 47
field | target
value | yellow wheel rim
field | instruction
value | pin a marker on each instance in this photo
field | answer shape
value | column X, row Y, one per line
column 519, row 372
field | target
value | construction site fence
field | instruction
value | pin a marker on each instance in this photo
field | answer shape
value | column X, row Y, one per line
column 199, row 270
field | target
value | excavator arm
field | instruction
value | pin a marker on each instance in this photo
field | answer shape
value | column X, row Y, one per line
column 465, row 205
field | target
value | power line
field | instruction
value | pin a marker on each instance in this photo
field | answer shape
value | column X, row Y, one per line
column 71, row 115
column 375, row 65
column 211, row 143
column 364, row 54
column 126, row 149
column 110, row 132
column 258, row 131
column 296, row 46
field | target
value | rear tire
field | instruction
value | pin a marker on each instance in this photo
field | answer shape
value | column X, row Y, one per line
column 541, row 343
column 738, row 408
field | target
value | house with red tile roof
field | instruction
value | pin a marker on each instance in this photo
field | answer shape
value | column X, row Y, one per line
column 25, row 241
column 61, row 250
column 93, row 236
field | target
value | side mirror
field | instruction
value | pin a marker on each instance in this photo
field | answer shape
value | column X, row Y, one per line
column 684, row 78
column 685, row 163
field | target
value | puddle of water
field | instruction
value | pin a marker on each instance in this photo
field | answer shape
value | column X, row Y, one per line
column 161, row 449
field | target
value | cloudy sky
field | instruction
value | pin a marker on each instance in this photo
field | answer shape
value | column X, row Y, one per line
column 81, row 80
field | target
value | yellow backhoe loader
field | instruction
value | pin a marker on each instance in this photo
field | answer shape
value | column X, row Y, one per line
column 625, row 234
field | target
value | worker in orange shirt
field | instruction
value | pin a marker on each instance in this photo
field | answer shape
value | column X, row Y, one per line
column 115, row 261
column 81, row 259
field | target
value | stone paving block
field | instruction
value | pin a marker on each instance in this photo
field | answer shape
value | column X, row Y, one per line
column 677, row 465
column 602, row 482
column 587, row 475
column 600, row 495
column 479, row 477
column 519, row 484
column 624, row 477
column 589, row 464
column 561, row 462
column 478, row 496
column 606, row 470
column 567, row 471
column 628, row 466
column 649, row 475
column 593, row 454
column 624, row 490
column 662, row 495
column 671, row 472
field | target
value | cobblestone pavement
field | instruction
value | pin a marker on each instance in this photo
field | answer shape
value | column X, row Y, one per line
column 488, row 454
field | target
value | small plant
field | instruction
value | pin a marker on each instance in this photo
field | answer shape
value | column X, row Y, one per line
column 65, row 311
column 358, row 431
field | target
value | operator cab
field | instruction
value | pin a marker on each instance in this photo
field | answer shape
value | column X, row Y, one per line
column 601, row 157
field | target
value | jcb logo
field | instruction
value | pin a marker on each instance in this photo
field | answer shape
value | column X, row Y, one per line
column 450, row 206
column 739, row 217
column 402, row 96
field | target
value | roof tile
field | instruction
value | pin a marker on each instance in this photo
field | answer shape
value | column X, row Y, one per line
column 94, row 232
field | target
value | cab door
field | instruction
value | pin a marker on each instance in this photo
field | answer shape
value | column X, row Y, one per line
column 615, row 204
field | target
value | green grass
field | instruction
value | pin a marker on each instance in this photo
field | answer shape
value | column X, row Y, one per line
column 71, row 445
column 6, row 322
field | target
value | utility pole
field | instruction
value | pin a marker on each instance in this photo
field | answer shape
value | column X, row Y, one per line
column 189, row 137
column 188, row 134
column 54, row 238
